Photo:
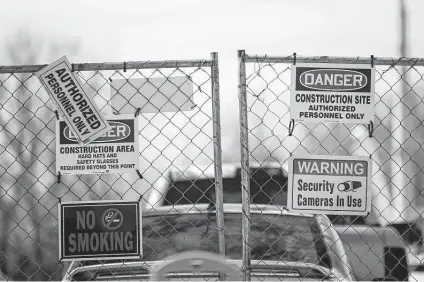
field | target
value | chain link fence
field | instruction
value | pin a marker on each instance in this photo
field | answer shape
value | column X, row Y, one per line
column 181, row 165
column 179, row 130
column 395, row 149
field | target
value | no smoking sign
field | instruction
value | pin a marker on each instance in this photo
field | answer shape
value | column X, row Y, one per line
column 100, row 230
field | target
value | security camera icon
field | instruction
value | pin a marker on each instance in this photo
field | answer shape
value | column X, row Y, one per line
column 349, row 186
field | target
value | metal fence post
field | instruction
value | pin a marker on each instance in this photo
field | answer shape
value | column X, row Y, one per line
column 216, row 118
column 245, row 183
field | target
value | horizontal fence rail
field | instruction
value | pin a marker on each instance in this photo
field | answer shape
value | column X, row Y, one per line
column 115, row 66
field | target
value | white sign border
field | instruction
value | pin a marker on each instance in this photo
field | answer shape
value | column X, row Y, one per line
column 117, row 202
column 330, row 212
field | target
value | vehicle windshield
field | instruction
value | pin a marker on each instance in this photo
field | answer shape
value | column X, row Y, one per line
column 272, row 237
column 265, row 188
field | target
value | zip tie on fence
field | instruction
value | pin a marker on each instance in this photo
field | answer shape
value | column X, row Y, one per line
column 59, row 175
column 294, row 58
column 125, row 66
column 372, row 61
column 140, row 198
column 370, row 129
column 137, row 112
column 139, row 174
column 291, row 127
column 57, row 114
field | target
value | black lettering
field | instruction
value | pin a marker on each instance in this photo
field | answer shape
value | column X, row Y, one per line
column 95, row 125
column 60, row 72
column 65, row 102
column 77, row 97
column 69, row 84
column 70, row 110
column 88, row 112
column 60, row 95
column 57, row 90
column 65, row 78
column 91, row 119
column 81, row 103
column 72, row 91
column 49, row 76
column 80, row 125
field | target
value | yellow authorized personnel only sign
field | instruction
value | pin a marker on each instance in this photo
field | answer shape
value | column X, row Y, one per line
column 115, row 152
column 339, row 185
column 79, row 110
column 333, row 93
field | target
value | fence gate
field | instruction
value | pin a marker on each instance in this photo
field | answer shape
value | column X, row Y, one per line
column 177, row 104
column 395, row 148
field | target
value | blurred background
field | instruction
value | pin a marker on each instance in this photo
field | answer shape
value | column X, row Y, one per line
column 39, row 32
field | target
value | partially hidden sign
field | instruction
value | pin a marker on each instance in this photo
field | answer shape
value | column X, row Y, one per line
column 115, row 152
column 79, row 110
column 100, row 230
column 152, row 95
column 339, row 185
column 332, row 93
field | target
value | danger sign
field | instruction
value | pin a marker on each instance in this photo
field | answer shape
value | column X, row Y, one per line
column 332, row 93
column 78, row 109
column 115, row 152
column 330, row 185
column 100, row 230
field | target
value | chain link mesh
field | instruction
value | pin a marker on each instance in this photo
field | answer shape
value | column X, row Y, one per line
column 172, row 141
column 180, row 161
column 395, row 149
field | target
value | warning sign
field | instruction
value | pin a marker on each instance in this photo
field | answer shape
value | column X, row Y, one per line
column 100, row 230
column 115, row 152
column 78, row 109
column 330, row 185
column 332, row 93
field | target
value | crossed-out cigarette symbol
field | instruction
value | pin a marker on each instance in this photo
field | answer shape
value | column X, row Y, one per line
column 112, row 219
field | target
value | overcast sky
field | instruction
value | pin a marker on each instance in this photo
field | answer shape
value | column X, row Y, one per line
column 135, row 30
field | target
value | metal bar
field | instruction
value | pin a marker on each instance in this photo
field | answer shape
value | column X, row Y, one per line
column 114, row 66
column 244, row 159
column 216, row 117
column 337, row 60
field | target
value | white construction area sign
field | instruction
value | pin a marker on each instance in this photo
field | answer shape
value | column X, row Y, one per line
column 337, row 185
column 78, row 109
column 115, row 152
column 333, row 93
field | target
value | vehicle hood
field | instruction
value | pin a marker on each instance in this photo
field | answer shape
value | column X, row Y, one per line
column 259, row 269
